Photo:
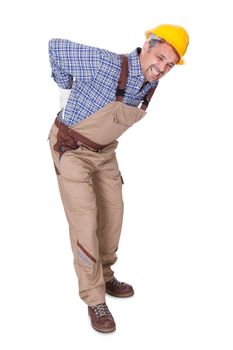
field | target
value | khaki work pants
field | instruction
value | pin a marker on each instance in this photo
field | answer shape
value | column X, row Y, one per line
column 90, row 186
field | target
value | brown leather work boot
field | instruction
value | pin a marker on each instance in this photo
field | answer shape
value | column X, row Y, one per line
column 101, row 318
column 119, row 289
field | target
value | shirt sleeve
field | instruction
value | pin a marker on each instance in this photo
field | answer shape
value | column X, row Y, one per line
column 70, row 60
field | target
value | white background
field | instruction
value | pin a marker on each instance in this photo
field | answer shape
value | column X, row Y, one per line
column 176, row 245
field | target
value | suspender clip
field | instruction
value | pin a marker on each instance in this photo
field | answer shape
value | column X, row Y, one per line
column 120, row 92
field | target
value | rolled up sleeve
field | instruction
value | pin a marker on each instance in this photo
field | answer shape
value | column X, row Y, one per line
column 60, row 75
column 70, row 60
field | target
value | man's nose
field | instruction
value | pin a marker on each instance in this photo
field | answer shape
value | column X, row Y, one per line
column 162, row 66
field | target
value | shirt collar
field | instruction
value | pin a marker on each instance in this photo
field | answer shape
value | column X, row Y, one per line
column 135, row 69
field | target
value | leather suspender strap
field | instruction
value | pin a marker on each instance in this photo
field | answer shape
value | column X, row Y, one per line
column 123, row 78
column 120, row 92
column 147, row 98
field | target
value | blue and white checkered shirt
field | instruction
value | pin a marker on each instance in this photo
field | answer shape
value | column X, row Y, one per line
column 92, row 74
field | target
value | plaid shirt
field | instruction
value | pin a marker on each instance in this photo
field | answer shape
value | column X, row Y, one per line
column 92, row 75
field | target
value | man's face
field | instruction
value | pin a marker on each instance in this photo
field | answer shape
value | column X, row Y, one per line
column 157, row 61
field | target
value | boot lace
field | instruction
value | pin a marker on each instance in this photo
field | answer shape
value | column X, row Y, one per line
column 117, row 283
column 101, row 310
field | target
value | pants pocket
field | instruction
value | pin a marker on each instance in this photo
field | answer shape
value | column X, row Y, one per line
column 125, row 120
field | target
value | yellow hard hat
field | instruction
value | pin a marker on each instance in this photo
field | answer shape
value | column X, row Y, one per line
column 174, row 35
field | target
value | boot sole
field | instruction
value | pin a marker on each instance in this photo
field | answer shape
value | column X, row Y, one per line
column 104, row 330
column 120, row 295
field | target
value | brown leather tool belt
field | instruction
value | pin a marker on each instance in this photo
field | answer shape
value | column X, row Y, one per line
column 68, row 139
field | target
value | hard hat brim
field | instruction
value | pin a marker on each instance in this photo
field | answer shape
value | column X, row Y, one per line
column 180, row 62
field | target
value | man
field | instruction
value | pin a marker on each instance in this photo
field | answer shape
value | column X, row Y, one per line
column 105, row 90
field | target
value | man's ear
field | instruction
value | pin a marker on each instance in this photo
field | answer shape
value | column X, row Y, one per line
column 146, row 46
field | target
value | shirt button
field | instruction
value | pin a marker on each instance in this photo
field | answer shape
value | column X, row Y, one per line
column 62, row 148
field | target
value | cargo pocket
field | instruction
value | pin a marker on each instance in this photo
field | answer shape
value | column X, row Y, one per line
column 125, row 120
column 128, row 115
